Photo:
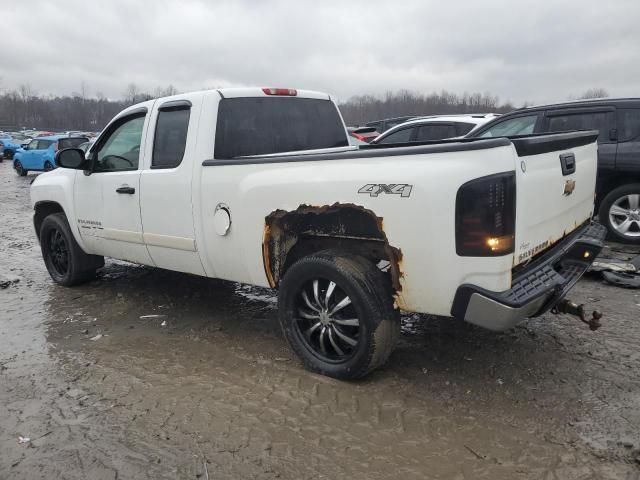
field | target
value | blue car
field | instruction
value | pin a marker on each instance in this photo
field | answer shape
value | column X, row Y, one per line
column 9, row 144
column 39, row 155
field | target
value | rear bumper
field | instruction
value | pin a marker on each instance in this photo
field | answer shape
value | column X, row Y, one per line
column 536, row 288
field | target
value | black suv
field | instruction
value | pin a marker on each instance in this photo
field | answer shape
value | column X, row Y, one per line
column 618, row 181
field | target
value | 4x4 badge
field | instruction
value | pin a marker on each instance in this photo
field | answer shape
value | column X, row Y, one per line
column 375, row 189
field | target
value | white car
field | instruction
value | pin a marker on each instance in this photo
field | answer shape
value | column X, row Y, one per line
column 432, row 128
column 218, row 184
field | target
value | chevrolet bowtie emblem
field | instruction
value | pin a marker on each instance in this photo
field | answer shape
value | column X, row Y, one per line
column 569, row 187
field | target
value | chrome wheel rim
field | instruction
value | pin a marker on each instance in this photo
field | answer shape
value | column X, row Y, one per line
column 326, row 321
column 624, row 215
column 58, row 252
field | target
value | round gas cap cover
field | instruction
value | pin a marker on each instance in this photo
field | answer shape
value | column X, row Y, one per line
column 222, row 219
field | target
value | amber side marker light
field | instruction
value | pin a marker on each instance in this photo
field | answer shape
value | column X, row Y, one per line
column 500, row 244
column 586, row 254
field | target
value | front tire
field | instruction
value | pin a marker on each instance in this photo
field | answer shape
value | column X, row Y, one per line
column 17, row 165
column 337, row 314
column 66, row 262
column 620, row 213
column 48, row 166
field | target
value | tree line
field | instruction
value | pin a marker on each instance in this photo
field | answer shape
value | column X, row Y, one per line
column 23, row 108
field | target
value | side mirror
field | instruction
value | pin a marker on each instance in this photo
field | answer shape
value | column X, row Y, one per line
column 25, row 147
column 71, row 158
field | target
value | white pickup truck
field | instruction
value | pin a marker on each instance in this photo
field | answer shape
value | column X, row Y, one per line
column 260, row 186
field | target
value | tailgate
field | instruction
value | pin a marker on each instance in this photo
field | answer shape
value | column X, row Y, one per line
column 555, row 185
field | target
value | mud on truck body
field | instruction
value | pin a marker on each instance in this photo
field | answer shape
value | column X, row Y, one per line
column 260, row 186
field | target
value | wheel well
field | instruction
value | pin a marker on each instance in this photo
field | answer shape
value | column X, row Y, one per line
column 290, row 235
column 43, row 210
column 609, row 183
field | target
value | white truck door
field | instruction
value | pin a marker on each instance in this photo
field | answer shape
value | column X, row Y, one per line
column 108, row 200
column 165, row 184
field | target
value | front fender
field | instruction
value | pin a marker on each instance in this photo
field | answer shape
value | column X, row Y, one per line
column 57, row 187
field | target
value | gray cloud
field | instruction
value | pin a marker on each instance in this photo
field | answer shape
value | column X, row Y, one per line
column 521, row 51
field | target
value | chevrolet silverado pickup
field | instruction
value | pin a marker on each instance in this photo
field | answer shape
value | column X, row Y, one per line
column 260, row 186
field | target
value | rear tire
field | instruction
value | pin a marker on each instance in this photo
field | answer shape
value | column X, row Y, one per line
column 337, row 314
column 66, row 262
column 620, row 213
column 17, row 165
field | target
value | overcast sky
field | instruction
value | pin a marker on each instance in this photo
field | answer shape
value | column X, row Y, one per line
column 534, row 51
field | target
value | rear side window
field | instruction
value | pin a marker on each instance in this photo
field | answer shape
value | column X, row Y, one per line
column 581, row 121
column 44, row 144
column 400, row 136
column 628, row 124
column 170, row 139
column 435, row 132
column 464, row 128
column 71, row 142
column 512, row 126
column 261, row 126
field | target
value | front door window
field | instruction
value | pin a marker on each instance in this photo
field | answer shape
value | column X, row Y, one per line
column 121, row 150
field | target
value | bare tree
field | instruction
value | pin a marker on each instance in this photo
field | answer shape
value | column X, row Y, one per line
column 165, row 92
column 131, row 94
column 594, row 93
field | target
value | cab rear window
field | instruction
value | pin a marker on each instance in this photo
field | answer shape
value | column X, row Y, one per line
column 262, row 126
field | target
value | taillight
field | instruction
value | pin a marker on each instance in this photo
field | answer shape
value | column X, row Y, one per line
column 289, row 92
column 486, row 216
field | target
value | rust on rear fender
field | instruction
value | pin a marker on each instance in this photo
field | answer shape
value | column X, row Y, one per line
column 288, row 235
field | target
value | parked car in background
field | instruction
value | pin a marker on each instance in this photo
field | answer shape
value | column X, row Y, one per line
column 618, row 181
column 39, row 154
column 433, row 128
column 12, row 142
column 364, row 134
column 387, row 123
column 86, row 146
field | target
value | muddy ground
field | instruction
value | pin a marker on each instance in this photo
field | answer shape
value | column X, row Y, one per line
column 206, row 387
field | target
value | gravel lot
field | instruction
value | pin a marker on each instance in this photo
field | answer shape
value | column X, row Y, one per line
column 146, row 373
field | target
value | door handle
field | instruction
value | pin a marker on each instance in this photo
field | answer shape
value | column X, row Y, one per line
column 568, row 163
column 126, row 189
